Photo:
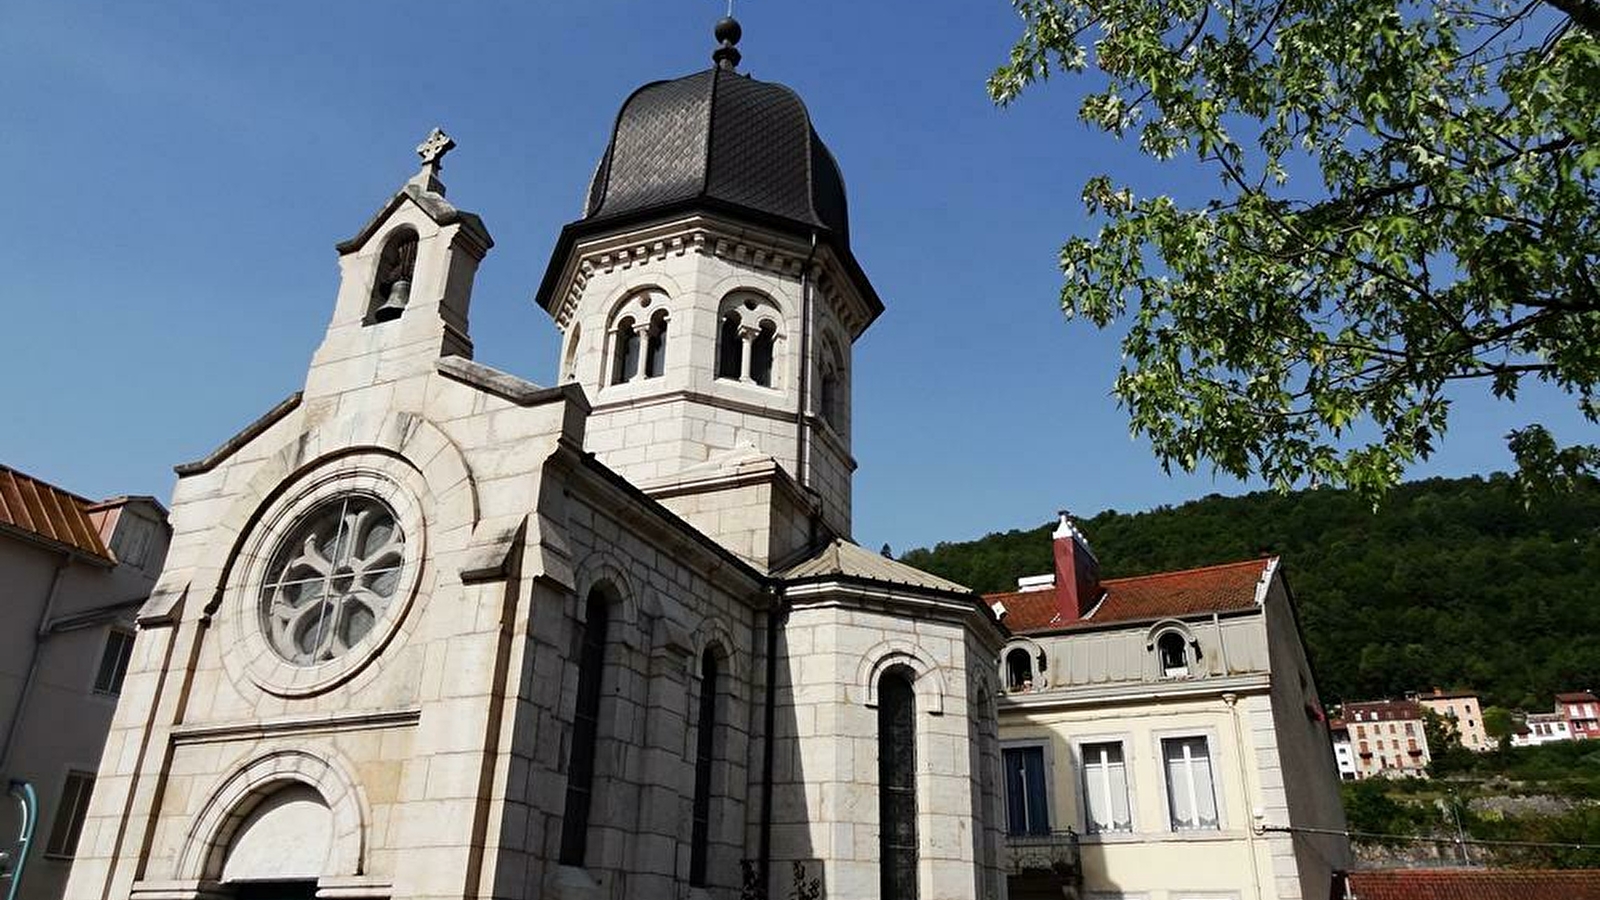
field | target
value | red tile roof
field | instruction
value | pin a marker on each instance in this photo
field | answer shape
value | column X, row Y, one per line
column 1381, row 710
column 1224, row 588
column 1472, row 884
column 1576, row 697
column 47, row 513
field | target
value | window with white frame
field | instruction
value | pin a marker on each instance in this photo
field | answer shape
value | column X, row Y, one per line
column 114, row 662
column 1191, row 791
column 1027, row 791
column 1105, row 788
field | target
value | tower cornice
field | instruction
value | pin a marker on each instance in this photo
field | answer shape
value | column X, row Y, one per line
column 841, row 281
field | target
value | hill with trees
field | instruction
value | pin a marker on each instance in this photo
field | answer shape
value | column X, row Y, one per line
column 1450, row 583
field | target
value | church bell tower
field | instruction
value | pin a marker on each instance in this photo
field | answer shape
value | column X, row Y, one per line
column 708, row 301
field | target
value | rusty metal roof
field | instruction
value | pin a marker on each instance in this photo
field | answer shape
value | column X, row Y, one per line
column 46, row 513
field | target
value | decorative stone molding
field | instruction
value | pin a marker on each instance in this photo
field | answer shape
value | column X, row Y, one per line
column 232, row 800
column 708, row 237
column 929, row 682
column 600, row 567
column 403, row 490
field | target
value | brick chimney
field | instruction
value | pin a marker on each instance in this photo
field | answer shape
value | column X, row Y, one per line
column 1077, row 572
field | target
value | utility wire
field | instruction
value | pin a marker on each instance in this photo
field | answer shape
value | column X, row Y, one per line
column 1300, row 829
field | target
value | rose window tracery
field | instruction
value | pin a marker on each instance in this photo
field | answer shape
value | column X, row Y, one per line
column 332, row 579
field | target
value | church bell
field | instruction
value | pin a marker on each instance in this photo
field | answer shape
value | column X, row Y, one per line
column 395, row 303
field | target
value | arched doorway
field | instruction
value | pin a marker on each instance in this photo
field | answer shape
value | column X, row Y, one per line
column 281, row 846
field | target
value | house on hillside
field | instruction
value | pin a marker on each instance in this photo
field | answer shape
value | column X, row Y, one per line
column 1464, row 711
column 1389, row 738
column 1151, row 726
column 1344, row 753
column 73, row 573
column 1542, row 728
column 1582, row 712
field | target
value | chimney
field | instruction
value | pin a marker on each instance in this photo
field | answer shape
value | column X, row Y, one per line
column 1077, row 572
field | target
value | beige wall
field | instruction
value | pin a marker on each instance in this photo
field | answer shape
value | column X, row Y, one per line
column 64, row 720
column 1154, row 860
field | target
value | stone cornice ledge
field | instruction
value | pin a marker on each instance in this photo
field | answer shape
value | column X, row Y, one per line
column 1096, row 695
column 246, row 435
column 845, row 592
column 507, row 386
column 263, row 728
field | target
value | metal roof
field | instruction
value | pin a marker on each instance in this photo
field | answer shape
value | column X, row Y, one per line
column 844, row 559
column 49, row 514
column 721, row 137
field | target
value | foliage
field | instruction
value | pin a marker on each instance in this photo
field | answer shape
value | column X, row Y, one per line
column 1445, row 753
column 1452, row 583
column 1408, row 202
column 1421, row 809
column 1497, row 722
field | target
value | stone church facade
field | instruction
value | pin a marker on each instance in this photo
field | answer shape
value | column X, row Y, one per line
column 428, row 630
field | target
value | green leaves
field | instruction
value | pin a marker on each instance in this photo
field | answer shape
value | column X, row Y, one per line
column 1408, row 203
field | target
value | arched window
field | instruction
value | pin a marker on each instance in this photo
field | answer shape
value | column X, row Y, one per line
column 830, row 398
column 585, row 732
column 730, row 347
column 830, row 386
column 761, row 352
column 897, row 786
column 704, row 758
column 1173, row 654
column 391, row 289
column 1019, row 670
column 655, row 351
column 570, row 363
column 625, row 352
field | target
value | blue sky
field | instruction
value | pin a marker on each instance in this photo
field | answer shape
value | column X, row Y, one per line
column 177, row 174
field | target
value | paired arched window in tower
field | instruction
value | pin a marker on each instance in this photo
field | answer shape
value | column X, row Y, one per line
column 391, row 288
column 748, row 336
column 830, row 384
column 585, row 731
column 706, row 750
column 638, row 339
column 897, row 784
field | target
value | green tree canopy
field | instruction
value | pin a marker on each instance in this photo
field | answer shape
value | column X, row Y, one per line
column 1407, row 201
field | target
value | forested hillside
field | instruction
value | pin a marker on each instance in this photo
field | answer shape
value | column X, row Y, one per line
column 1451, row 583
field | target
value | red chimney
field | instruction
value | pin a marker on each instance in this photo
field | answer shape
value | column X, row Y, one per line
column 1077, row 572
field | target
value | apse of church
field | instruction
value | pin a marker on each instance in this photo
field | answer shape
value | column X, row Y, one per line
column 430, row 630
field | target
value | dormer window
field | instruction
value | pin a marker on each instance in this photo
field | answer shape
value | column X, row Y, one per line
column 1019, row 670
column 1173, row 654
column 391, row 289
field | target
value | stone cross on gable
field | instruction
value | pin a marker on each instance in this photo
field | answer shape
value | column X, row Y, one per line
column 434, row 147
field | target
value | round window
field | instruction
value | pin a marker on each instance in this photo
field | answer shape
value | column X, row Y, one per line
column 332, row 579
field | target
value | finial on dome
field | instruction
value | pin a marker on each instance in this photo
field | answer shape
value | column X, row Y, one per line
column 727, row 33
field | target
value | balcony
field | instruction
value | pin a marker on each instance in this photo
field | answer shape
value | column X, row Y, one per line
column 1051, row 853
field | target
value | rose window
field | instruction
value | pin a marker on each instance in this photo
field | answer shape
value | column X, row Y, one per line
column 332, row 579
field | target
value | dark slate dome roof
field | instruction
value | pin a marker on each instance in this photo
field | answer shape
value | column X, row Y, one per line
column 720, row 139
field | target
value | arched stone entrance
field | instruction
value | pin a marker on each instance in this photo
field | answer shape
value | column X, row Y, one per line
column 276, row 827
